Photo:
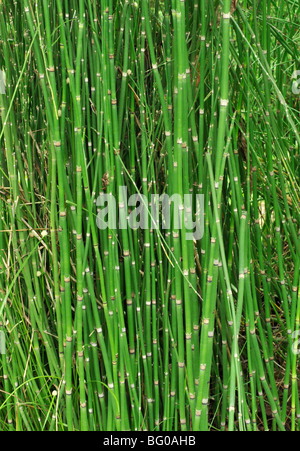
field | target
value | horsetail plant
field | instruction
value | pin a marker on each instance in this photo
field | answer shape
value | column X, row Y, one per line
column 126, row 304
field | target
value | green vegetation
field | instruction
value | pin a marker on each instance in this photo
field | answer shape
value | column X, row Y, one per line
column 138, row 328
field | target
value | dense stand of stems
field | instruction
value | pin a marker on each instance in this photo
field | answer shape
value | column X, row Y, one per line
column 143, row 328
